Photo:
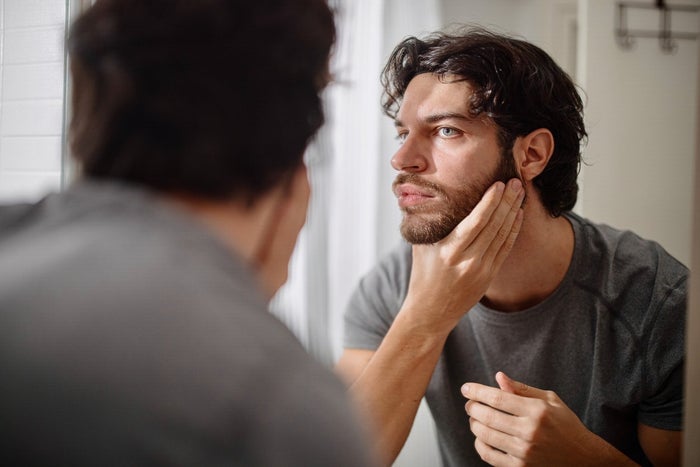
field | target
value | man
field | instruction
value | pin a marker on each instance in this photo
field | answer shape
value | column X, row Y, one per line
column 563, row 337
column 133, row 307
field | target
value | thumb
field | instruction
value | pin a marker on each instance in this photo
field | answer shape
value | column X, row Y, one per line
column 505, row 383
column 512, row 386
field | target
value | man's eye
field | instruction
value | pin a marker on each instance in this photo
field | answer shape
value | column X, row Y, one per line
column 447, row 132
column 401, row 137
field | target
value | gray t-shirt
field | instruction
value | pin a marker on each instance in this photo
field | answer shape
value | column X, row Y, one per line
column 130, row 335
column 609, row 340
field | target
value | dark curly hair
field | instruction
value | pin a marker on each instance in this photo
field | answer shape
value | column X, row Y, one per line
column 515, row 83
column 217, row 98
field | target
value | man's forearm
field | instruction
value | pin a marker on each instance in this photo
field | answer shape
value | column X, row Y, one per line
column 390, row 388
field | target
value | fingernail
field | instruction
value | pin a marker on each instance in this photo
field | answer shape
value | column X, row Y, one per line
column 465, row 389
column 515, row 185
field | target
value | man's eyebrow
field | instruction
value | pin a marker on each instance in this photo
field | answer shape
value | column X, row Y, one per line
column 447, row 116
column 435, row 118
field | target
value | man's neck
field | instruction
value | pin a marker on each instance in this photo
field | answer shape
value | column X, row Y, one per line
column 537, row 264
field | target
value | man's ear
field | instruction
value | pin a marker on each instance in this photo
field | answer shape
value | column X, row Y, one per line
column 532, row 153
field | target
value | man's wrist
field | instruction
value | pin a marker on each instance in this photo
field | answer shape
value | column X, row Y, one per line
column 414, row 321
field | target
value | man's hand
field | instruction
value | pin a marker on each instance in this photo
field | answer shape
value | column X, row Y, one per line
column 447, row 279
column 519, row 425
column 450, row 276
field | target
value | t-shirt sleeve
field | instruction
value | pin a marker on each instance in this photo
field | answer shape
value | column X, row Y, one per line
column 376, row 301
column 662, row 406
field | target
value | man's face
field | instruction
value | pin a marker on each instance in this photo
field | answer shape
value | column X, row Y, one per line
column 447, row 159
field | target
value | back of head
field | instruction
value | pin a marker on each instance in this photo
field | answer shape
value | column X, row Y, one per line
column 515, row 84
column 214, row 98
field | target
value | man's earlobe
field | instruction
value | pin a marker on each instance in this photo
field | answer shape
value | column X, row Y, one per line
column 533, row 153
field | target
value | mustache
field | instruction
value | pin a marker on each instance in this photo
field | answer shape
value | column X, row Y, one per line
column 418, row 181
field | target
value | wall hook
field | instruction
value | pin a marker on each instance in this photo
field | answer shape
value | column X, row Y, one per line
column 667, row 38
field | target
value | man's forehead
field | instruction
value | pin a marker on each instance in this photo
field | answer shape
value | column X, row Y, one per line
column 439, row 82
column 430, row 96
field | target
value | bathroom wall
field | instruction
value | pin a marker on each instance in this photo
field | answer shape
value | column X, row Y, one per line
column 641, row 119
column 31, row 97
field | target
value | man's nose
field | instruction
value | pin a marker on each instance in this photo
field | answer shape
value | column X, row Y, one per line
column 410, row 157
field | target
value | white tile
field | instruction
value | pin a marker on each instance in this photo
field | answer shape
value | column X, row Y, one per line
column 27, row 186
column 33, row 45
column 30, row 153
column 36, row 118
column 23, row 13
column 35, row 81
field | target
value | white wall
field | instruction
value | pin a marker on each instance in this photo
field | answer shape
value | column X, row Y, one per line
column 641, row 119
column 546, row 23
column 31, row 97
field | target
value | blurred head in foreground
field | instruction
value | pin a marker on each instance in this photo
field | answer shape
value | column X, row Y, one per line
column 207, row 100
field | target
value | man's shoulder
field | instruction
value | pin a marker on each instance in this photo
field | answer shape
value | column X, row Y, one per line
column 377, row 298
column 623, row 247
column 15, row 217
column 117, row 248
column 399, row 257
column 631, row 274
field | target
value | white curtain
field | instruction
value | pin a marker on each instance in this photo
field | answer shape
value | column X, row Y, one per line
column 353, row 218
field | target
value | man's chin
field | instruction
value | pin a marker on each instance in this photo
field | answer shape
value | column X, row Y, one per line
column 422, row 232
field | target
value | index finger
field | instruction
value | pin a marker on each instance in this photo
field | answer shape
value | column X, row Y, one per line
column 494, row 397
column 491, row 211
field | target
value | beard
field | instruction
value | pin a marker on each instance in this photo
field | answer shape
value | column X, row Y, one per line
column 427, row 225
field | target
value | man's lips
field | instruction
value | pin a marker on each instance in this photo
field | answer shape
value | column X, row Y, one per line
column 411, row 195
